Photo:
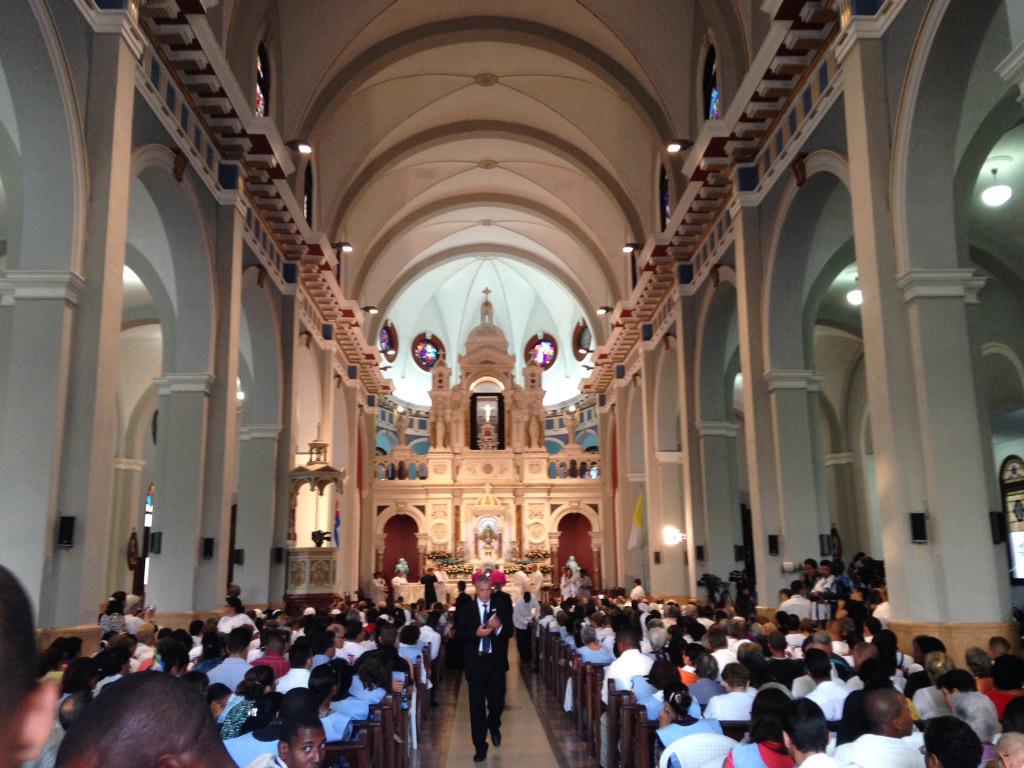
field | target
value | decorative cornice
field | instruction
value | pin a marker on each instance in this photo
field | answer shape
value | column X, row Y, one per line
column 129, row 464
column 669, row 457
column 838, row 459
column 809, row 381
column 40, row 284
column 864, row 27
column 172, row 383
column 259, row 432
column 717, row 428
column 1011, row 69
column 114, row 22
column 940, row 284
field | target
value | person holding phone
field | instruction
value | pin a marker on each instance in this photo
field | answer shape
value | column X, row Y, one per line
column 483, row 630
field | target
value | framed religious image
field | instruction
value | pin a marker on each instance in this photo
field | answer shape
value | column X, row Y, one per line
column 1011, row 486
column 488, row 412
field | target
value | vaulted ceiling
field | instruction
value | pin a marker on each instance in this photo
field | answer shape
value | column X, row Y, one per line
column 529, row 133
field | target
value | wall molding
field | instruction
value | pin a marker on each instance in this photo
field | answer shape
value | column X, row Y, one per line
column 940, row 284
column 172, row 383
column 40, row 284
column 259, row 432
column 809, row 381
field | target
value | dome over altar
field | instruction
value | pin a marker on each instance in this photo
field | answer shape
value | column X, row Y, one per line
column 444, row 302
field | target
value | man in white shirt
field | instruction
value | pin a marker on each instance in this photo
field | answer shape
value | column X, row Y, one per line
column 828, row 694
column 536, row 581
column 737, row 701
column 630, row 663
column 301, row 658
column 805, row 732
column 718, row 644
column 234, row 616
column 638, row 592
column 797, row 605
column 231, row 671
column 889, row 743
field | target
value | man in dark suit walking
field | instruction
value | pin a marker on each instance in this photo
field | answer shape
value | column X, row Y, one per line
column 483, row 629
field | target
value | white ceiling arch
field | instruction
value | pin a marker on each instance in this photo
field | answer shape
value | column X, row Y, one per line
column 506, row 220
column 445, row 301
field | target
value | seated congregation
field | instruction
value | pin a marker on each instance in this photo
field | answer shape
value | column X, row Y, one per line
column 822, row 681
column 644, row 682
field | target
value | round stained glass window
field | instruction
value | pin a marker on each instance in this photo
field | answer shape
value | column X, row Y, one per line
column 385, row 340
column 582, row 340
column 427, row 350
column 543, row 350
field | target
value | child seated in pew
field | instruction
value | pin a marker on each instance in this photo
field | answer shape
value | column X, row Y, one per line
column 661, row 682
column 676, row 720
column 591, row 651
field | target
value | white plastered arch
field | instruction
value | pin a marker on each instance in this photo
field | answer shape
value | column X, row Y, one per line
column 718, row 310
column 397, row 510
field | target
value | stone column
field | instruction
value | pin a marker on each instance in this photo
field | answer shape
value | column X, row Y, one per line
column 222, row 431
column 78, row 576
column 127, row 514
column 840, row 481
column 924, row 417
column 284, row 515
column 556, row 570
column 757, row 406
column 693, row 476
column 36, row 310
column 181, row 462
column 257, row 490
column 721, row 495
column 802, row 518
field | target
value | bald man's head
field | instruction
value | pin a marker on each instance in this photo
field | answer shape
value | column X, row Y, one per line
column 887, row 713
column 1011, row 750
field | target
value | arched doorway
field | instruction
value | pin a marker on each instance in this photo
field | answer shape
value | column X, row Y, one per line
column 574, row 540
column 400, row 541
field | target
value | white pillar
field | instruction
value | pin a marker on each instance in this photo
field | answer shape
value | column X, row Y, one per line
column 127, row 514
column 721, row 495
column 924, row 416
column 692, row 474
column 257, row 491
column 757, row 406
column 181, row 460
column 35, row 322
column 801, row 515
column 221, row 472
column 77, row 582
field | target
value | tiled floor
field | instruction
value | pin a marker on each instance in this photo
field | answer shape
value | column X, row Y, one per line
column 536, row 733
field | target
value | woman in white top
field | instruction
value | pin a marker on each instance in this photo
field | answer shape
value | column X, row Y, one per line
column 737, row 701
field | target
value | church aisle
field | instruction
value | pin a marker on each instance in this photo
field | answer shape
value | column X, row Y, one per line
column 534, row 731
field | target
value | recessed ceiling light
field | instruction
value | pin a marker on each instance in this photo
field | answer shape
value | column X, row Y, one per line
column 676, row 146
column 301, row 146
column 344, row 247
column 603, row 310
column 370, row 310
column 855, row 297
column 630, row 247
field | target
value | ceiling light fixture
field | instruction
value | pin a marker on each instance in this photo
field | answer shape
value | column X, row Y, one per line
column 603, row 310
column 343, row 247
column 301, row 146
column 370, row 309
column 855, row 297
column 630, row 247
column 676, row 146
column 996, row 194
column 672, row 535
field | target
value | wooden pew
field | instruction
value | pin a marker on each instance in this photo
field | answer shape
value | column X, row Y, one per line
column 593, row 676
column 627, row 728
column 356, row 751
column 579, row 695
column 614, row 723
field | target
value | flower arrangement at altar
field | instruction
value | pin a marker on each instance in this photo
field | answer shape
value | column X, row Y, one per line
column 546, row 570
column 510, row 568
column 459, row 569
column 535, row 555
column 440, row 556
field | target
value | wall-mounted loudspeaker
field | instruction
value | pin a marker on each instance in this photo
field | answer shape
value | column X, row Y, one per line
column 919, row 527
column 278, row 555
column 239, row 557
column 156, row 541
column 65, row 532
column 825, row 542
column 998, row 523
column 738, row 552
column 207, row 549
column 773, row 544
column 699, row 552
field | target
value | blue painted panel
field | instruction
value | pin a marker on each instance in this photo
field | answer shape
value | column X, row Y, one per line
column 291, row 272
column 227, row 175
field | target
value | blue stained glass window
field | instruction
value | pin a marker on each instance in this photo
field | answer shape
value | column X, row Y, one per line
column 385, row 340
column 426, row 353
column 713, row 110
column 544, row 352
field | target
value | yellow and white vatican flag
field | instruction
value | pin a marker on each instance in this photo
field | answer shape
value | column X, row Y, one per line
column 637, row 528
